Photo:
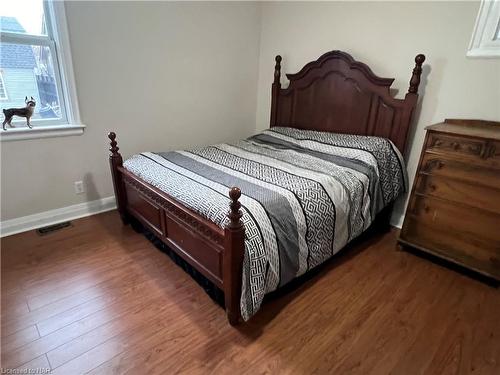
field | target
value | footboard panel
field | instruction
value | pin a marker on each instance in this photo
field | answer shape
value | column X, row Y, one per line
column 197, row 241
column 204, row 256
column 145, row 210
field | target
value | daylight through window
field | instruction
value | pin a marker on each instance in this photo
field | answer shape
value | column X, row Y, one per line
column 29, row 62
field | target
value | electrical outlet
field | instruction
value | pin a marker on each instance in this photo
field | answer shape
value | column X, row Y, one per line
column 79, row 188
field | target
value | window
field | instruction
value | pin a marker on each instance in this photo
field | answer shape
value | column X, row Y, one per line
column 3, row 93
column 35, row 62
column 486, row 36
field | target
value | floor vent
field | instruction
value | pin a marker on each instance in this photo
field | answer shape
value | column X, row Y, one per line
column 52, row 228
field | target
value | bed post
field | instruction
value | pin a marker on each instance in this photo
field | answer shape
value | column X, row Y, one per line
column 115, row 161
column 234, row 248
column 275, row 91
column 410, row 103
column 417, row 72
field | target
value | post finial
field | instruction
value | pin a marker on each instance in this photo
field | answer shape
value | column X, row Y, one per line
column 417, row 71
column 113, row 144
column 235, row 213
column 277, row 69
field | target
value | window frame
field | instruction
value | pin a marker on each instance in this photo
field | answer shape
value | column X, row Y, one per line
column 5, row 96
column 57, row 40
column 484, row 43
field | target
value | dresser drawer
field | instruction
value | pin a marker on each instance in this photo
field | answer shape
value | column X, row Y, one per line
column 452, row 246
column 463, row 146
column 475, row 195
column 459, row 232
column 471, row 222
column 439, row 165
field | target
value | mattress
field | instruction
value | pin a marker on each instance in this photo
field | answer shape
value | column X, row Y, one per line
column 305, row 195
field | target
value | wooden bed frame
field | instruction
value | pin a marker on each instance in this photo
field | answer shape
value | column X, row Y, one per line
column 334, row 93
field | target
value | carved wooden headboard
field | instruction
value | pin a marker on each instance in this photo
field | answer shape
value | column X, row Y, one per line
column 335, row 93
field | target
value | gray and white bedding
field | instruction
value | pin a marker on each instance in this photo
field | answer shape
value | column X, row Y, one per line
column 305, row 195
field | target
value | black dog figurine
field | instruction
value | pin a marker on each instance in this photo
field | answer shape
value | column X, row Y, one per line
column 21, row 112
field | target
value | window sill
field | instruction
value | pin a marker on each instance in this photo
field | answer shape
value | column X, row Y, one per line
column 486, row 53
column 18, row 134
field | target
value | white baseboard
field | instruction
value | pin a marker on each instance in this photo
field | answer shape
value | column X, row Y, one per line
column 397, row 221
column 42, row 219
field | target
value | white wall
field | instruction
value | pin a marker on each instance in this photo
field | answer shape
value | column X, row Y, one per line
column 162, row 75
column 387, row 36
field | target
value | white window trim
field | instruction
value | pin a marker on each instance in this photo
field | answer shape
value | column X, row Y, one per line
column 73, row 124
column 5, row 96
column 46, row 131
column 483, row 43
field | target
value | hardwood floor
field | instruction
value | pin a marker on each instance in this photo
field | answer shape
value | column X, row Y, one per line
column 98, row 298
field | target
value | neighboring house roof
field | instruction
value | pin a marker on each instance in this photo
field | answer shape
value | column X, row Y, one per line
column 15, row 55
column 11, row 24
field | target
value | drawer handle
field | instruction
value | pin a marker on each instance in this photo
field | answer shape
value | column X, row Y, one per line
column 487, row 151
column 455, row 145
column 484, row 153
column 438, row 143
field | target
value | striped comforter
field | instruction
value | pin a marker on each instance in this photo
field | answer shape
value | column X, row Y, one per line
column 305, row 195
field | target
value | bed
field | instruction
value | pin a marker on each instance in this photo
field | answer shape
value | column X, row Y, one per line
column 253, row 215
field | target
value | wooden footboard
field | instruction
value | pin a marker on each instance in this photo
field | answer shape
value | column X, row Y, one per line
column 215, row 252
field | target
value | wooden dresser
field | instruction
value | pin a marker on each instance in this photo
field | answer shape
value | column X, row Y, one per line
column 454, row 207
